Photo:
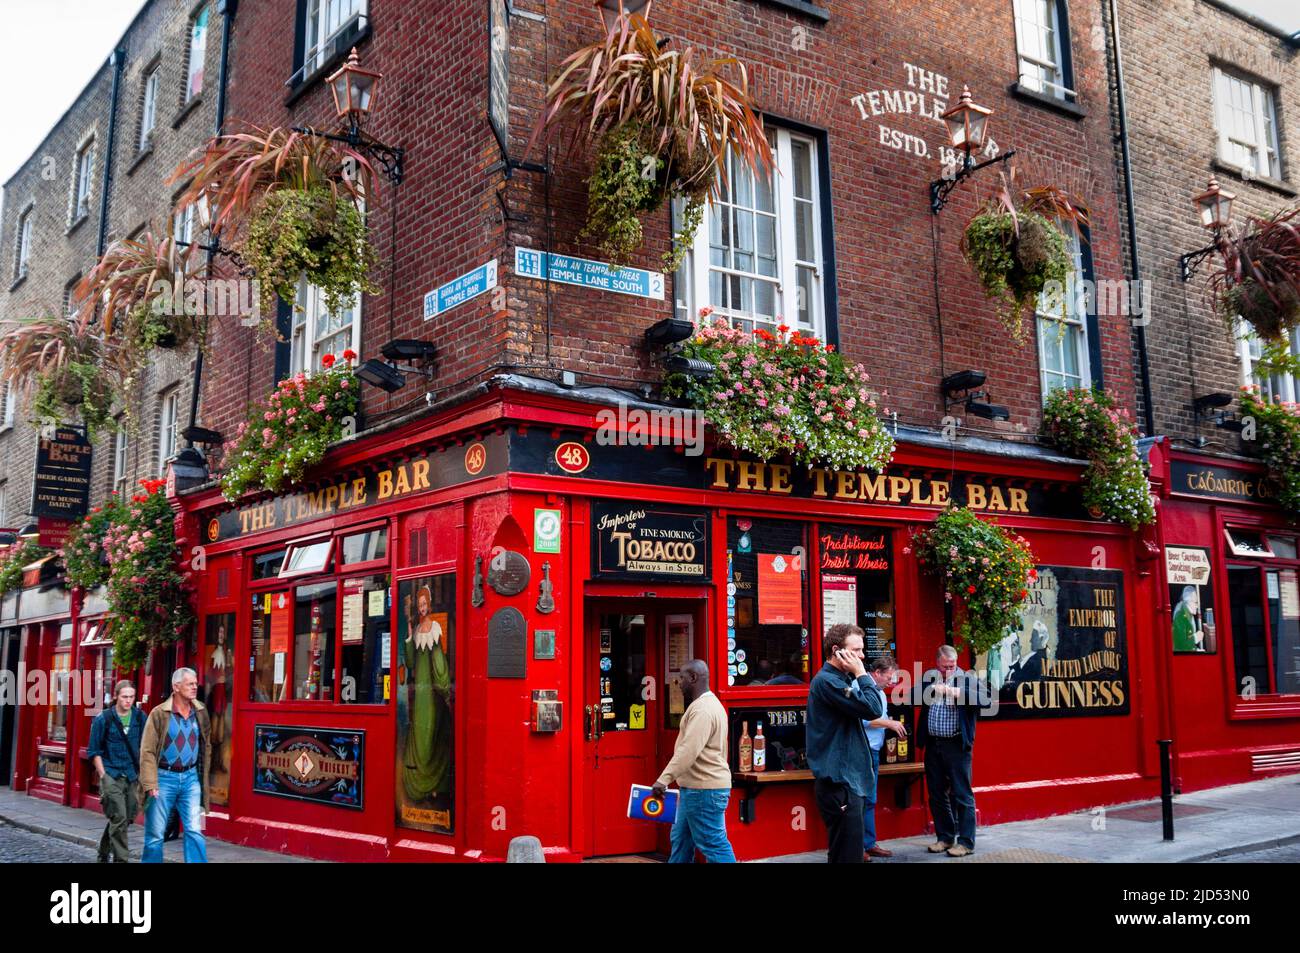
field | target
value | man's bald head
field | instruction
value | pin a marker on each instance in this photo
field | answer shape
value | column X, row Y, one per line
column 694, row 679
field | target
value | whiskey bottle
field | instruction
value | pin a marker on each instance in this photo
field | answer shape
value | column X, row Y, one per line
column 903, row 739
column 746, row 749
column 760, row 749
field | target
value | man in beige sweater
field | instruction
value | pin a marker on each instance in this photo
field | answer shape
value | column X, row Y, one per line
column 699, row 766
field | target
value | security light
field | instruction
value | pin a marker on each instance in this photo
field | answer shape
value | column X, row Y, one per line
column 380, row 374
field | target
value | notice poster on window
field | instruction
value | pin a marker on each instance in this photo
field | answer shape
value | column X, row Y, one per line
column 281, row 617
column 426, row 642
column 353, row 607
column 678, row 652
column 839, row 600
column 780, row 590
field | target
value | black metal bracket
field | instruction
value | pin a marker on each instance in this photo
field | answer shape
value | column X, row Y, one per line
column 1188, row 263
column 244, row 270
column 941, row 188
column 509, row 165
column 390, row 158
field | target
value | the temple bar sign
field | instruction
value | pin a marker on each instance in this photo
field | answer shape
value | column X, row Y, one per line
column 61, row 489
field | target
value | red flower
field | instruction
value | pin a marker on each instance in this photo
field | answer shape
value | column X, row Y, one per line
column 327, row 361
column 971, row 590
column 783, row 328
column 1023, row 593
column 349, row 355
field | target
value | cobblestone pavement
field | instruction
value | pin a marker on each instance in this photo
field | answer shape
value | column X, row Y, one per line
column 18, row 846
column 1283, row 854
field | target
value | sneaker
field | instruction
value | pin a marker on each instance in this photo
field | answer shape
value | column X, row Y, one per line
column 939, row 846
column 961, row 850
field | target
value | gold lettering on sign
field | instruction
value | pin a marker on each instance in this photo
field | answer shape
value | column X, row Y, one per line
column 780, row 478
column 976, row 499
column 385, row 484
column 720, row 468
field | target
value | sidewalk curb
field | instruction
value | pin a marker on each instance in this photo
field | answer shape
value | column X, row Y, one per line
column 1243, row 849
column 89, row 842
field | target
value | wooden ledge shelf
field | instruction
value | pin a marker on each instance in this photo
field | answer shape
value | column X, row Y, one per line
column 751, row 783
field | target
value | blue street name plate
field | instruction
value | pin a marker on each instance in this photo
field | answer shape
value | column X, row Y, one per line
column 459, row 290
column 567, row 270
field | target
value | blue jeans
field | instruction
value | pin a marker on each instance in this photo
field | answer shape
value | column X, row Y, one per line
column 869, row 803
column 701, row 822
column 179, row 789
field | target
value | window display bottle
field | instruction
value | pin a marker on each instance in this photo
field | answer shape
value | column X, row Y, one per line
column 903, row 739
column 746, row 749
column 760, row 749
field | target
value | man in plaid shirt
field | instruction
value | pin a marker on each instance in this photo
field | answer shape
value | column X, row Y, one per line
column 949, row 703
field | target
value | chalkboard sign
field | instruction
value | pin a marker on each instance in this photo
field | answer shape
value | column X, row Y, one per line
column 499, row 74
column 784, row 730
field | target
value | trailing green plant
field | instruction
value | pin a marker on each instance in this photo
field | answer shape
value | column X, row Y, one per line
column 1087, row 423
column 1277, row 442
column 11, row 564
column 291, row 431
column 784, row 394
column 1258, row 275
column 985, row 570
column 83, row 390
column 309, row 231
column 147, row 592
column 665, row 121
column 1017, row 250
column 85, row 554
column 73, row 373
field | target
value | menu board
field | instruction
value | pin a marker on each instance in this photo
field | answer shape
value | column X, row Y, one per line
column 858, row 584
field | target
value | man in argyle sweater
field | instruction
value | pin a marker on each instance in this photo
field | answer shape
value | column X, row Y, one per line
column 174, row 769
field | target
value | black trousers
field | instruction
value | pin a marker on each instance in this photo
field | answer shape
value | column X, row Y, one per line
column 841, row 809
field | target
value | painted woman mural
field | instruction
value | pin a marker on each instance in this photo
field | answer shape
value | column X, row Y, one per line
column 425, row 694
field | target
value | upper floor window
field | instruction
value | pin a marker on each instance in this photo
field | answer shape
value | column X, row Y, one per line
column 168, row 421
column 1062, row 329
column 24, row 250
column 69, row 302
column 1284, row 387
column 1043, row 47
column 1247, row 124
column 317, row 331
column 149, row 106
column 758, row 256
column 10, row 406
column 197, row 54
column 4, row 501
column 121, row 449
column 327, row 25
column 85, row 168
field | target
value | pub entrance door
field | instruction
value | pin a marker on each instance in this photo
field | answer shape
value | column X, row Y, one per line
column 631, row 708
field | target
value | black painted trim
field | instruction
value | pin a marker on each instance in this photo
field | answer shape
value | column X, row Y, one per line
column 801, row 6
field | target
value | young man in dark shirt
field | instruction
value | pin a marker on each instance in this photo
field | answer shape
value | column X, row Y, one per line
column 115, row 750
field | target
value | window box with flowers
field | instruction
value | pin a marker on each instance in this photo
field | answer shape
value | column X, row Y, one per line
column 11, row 564
column 985, row 570
column 290, row 432
column 784, row 394
column 1086, row 423
column 1277, row 441
column 147, row 593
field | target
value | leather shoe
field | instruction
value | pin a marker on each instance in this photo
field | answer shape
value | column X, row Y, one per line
column 879, row 851
column 938, row 847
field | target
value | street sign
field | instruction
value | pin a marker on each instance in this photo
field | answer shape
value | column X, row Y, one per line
column 585, row 273
column 456, row 292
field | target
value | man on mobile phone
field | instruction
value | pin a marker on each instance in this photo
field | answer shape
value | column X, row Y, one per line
column 841, row 697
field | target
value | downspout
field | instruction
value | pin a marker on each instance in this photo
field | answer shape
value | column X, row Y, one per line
column 118, row 62
column 226, row 9
column 1144, row 364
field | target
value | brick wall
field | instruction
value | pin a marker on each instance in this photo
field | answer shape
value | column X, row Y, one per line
column 1170, row 49
column 449, row 219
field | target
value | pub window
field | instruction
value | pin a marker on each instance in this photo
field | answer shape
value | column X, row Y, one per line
column 1245, row 543
column 1264, row 609
column 857, row 583
column 317, row 331
column 305, row 558
column 267, row 565
column 768, row 617
column 313, row 642
column 365, row 628
column 365, row 547
column 23, row 252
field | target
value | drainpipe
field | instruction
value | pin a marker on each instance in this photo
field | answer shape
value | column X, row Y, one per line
column 226, row 9
column 118, row 62
column 1144, row 364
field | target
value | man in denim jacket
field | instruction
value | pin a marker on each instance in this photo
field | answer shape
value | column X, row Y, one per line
column 115, row 751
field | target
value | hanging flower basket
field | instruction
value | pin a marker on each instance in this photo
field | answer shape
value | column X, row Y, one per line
column 1277, row 441
column 1086, row 423
column 985, row 571
column 21, row 554
column 1258, row 276
column 785, row 394
column 74, row 374
column 1016, row 248
column 664, row 121
column 290, row 432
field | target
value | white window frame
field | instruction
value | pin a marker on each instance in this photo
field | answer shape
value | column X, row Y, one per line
column 24, row 250
column 1052, row 337
column 10, row 409
column 306, row 334
column 1053, row 61
column 168, row 424
column 197, row 53
column 1284, row 387
column 319, row 31
column 4, row 501
column 121, row 457
column 691, row 284
column 1260, row 139
column 149, row 107
column 83, row 179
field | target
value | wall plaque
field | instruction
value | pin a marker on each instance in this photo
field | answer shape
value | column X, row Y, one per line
column 508, row 573
column 507, row 644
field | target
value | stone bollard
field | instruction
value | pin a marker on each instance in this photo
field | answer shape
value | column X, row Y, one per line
column 525, row 850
